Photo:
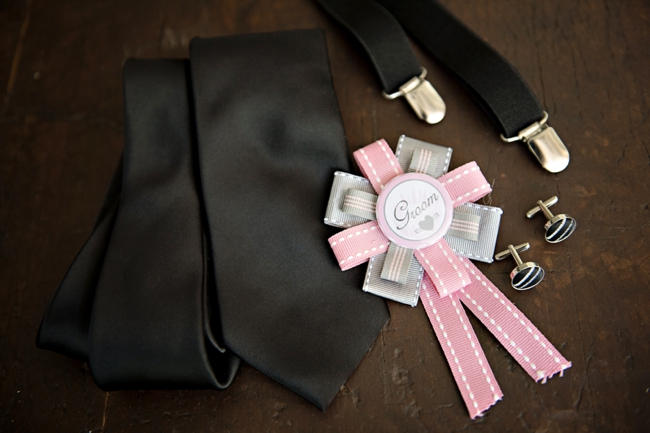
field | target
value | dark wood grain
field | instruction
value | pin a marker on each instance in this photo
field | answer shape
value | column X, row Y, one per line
column 60, row 138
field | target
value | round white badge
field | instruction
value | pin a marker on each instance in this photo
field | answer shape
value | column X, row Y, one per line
column 414, row 210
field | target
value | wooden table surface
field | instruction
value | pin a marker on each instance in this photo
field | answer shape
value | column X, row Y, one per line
column 61, row 136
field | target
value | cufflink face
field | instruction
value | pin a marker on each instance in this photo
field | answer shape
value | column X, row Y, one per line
column 526, row 276
column 414, row 210
column 559, row 228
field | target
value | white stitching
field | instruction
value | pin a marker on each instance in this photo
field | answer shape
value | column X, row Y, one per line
column 383, row 146
column 471, row 255
column 417, row 286
column 351, row 235
column 353, row 176
column 363, row 152
column 453, row 352
column 469, row 337
column 368, row 275
column 515, row 315
column 416, row 294
column 380, row 248
column 483, row 207
column 459, row 175
column 500, row 329
column 442, row 284
column 335, row 221
column 475, row 190
column 460, row 275
column 400, row 142
column 447, row 159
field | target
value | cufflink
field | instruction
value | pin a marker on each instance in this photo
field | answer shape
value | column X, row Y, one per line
column 558, row 227
column 525, row 275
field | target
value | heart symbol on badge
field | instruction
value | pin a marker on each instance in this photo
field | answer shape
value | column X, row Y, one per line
column 426, row 223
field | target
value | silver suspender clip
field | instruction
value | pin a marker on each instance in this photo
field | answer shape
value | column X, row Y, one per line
column 546, row 145
column 422, row 97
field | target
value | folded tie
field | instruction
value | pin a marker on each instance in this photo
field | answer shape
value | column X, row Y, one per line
column 270, row 137
column 172, row 268
column 136, row 301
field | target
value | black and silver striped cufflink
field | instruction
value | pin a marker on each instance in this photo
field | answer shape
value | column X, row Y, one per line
column 525, row 275
column 558, row 227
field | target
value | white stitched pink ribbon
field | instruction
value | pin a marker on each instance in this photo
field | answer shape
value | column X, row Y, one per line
column 357, row 244
column 449, row 279
column 464, row 354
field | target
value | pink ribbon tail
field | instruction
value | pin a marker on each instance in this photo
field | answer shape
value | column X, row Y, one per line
column 511, row 327
column 470, row 368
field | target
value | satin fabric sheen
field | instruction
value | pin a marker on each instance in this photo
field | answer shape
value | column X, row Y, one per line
column 210, row 246
column 134, row 301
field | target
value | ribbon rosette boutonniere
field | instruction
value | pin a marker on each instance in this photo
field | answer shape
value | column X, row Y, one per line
column 416, row 225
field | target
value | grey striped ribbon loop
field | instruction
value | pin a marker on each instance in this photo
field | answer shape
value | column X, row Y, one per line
column 465, row 225
column 481, row 248
column 409, row 151
column 395, row 275
column 407, row 293
column 360, row 203
column 397, row 264
column 342, row 183
column 423, row 161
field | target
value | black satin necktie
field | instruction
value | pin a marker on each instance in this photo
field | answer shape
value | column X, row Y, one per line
column 135, row 301
column 270, row 138
column 149, row 295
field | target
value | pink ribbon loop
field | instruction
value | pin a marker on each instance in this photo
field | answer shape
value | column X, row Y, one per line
column 357, row 244
column 443, row 267
column 465, row 184
column 377, row 163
